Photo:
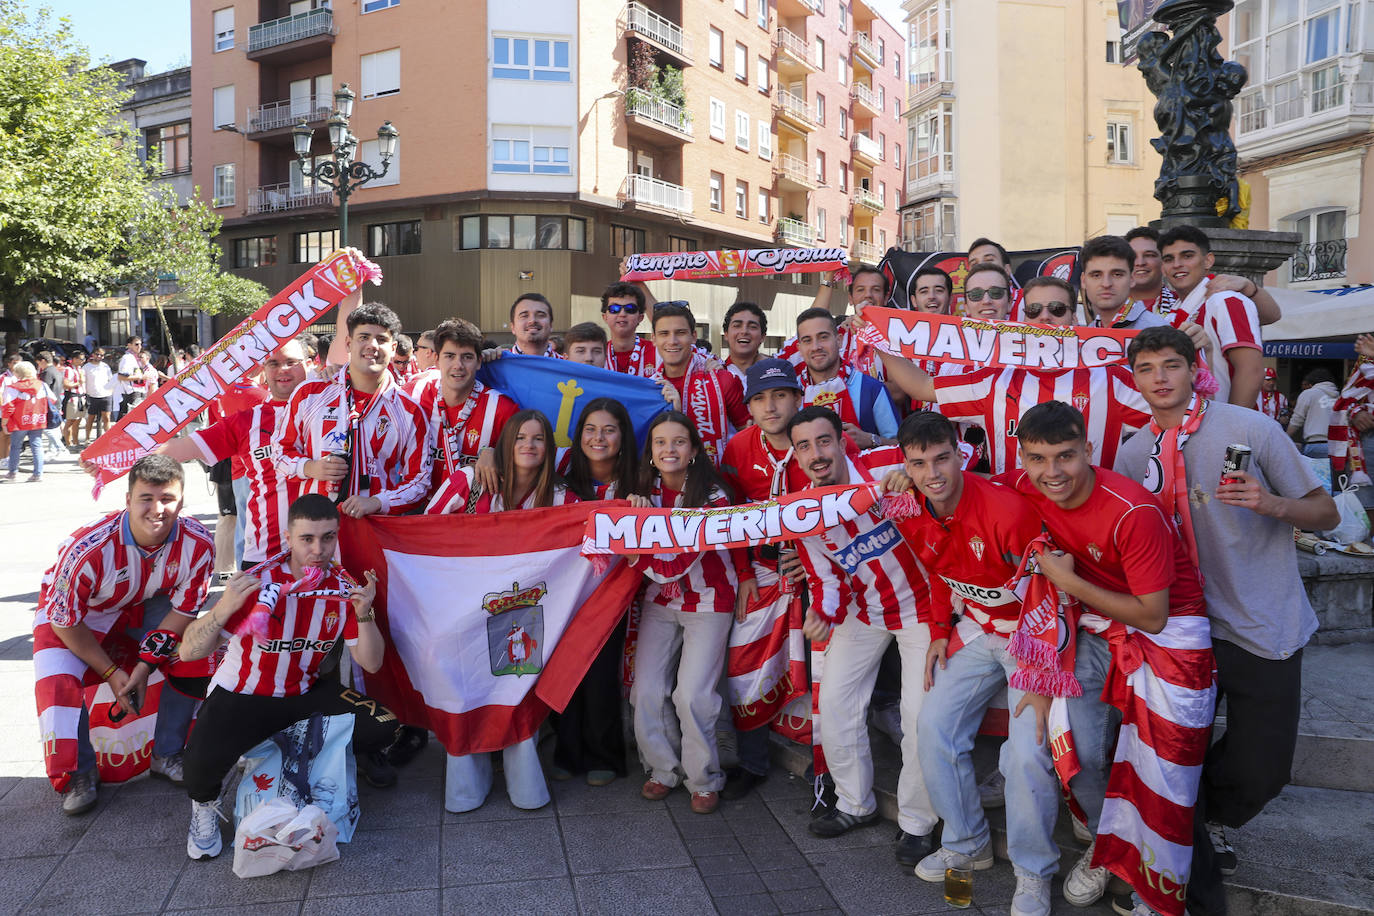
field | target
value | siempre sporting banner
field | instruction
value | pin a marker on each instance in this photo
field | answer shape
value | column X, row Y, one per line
column 733, row 262
column 672, row 531
column 560, row 388
column 1001, row 344
column 165, row 411
column 491, row 621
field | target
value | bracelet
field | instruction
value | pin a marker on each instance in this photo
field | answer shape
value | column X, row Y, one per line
column 109, row 671
column 371, row 616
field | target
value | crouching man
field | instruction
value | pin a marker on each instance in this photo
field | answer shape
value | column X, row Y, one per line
column 268, row 678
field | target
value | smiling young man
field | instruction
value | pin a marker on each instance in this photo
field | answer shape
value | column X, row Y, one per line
column 622, row 309
column 1123, row 560
column 1241, row 532
column 586, row 343
column 860, row 400
column 743, row 329
column 358, row 436
column 971, row 535
column 125, row 575
column 250, row 436
column 868, row 286
column 867, row 589
column 932, row 290
column 1107, row 265
column 270, row 676
column 531, row 321
column 712, row 398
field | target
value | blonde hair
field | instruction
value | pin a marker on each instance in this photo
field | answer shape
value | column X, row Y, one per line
column 24, row 369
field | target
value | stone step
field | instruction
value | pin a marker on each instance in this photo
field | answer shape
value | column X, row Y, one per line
column 1310, row 853
column 1331, row 754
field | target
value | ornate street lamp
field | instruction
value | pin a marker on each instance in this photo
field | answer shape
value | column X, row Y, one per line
column 343, row 173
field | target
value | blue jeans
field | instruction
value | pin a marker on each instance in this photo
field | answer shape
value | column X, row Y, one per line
column 1317, row 450
column 34, row 439
column 174, row 709
column 1094, row 725
column 240, row 520
column 948, row 725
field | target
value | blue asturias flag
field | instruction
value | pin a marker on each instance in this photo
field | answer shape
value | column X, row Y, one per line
column 560, row 388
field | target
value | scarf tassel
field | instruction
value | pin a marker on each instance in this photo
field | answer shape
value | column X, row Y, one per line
column 671, row 590
column 1046, row 683
column 900, row 506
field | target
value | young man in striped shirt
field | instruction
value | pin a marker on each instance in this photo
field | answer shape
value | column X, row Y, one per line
column 114, row 578
column 270, row 676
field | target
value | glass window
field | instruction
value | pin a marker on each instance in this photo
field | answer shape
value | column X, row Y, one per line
column 309, row 247
column 381, row 73
column 577, row 234
column 763, row 14
column 471, row 232
column 259, row 251
column 820, row 223
column 1282, row 56
column 225, row 191
column 223, row 23
column 820, row 52
column 765, row 140
column 762, row 205
column 498, row 231
column 742, row 199
column 522, row 58
column 626, row 240
column 761, row 74
column 223, row 105
column 717, row 191
column 742, row 130
column 372, row 6
column 678, row 243
column 1323, row 36
column 524, row 231
column 386, row 239
column 716, row 48
column 717, row 119
column 172, row 145
column 741, row 62
column 820, row 109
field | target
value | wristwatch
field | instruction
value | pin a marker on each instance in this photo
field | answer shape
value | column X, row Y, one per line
column 370, row 616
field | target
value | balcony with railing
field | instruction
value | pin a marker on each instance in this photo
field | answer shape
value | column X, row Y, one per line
column 657, row 194
column 289, row 38
column 865, row 98
column 795, row 232
column 1318, row 261
column 1327, row 101
column 931, row 175
column 794, row 53
column 865, row 51
column 864, row 199
column 659, row 31
column 277, row 198
column 793, row 173
column 655, row 118
column 281, row 116
column 793, row 109
column 866, row 252
column 866, row 149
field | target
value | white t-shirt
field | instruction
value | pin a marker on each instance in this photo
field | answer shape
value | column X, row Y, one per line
column 99, row 379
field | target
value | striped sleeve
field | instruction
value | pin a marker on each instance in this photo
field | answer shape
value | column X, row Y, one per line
column 452, row 496
column 966, row 396
column 1135, row 411
column 413, row 456
column 1234, row 321
column 198, row 561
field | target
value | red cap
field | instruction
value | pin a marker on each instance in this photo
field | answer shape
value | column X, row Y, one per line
column 1270, row 373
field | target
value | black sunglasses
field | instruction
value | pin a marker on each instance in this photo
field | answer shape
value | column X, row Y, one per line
column 615, row 308
column 995, row 293
column 1057, row 309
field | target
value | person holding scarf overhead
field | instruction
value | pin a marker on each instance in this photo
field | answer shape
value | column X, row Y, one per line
column 602, row 463
column 688, row 607
column 1240, row 533
column 525, row 470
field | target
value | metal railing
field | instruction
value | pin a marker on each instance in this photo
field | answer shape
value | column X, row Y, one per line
column 795, row 232
column 274, row 198
column 794, row 105
column 1318, row 261
column 866, row 252
column 641, row 19
column 642, row 105
column 866, row 198
column 794, row 44
column 864, row 93
column 275, row 115
column 282, row 31
column 865, row 145
column 655, row 193
column 865, row 45
column 794, row 169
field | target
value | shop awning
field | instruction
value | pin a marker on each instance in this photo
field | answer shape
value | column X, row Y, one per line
column 1335, row 315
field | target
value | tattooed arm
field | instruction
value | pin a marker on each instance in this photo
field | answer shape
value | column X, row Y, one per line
column 203, row 635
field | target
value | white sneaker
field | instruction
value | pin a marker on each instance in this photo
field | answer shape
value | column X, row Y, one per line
column 1084, row 884
column 1081, row 833
column 202, row 840
column 992, row 791
column 932, row 867
column 168, row 768
column 82, row 793
column 1032, row 896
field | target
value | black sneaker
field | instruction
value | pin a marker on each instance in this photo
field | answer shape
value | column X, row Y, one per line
column 911, row 848
column 1221, row 847
column 410, row 741
column 377, row 770
column 838, row 822
column 739, row 782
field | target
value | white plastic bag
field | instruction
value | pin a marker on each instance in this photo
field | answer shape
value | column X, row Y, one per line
column 277, row 837
column 1354, row 524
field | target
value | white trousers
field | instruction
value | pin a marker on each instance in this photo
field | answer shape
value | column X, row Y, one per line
column 851, row 667
column 468, row 778
column 675, row 709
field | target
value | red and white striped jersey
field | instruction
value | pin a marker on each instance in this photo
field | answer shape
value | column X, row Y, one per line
column 1271, row 403
column 549, row 351
column 251, row 436
column 866, row 568
column 101, row 572
column 995, row 399
column 641, row 360
column 390, row 454
column 1231, row 321
column 300, row 630
column 458, row 434
column 452, row 497
column 694, row 582
column 74, row 377
column 418, row 381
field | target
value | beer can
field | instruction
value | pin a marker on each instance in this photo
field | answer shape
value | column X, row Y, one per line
column 1237, row 460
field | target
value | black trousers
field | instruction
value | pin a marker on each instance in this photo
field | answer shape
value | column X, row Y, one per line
column 1252, row 762
column 590, row 734
column 229, row 724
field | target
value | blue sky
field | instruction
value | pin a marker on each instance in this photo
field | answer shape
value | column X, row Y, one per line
column 158, row 31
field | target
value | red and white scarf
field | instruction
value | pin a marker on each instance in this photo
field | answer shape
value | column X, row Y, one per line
column 451, row 436
column 1166, row 474
column 703, row 401
column 256, row 623
column 832, row 394
column 640, row 360
column 1044, row 639
column 1343, row 441
column 549, row 351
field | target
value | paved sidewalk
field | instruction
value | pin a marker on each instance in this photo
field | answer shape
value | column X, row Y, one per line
column 593, row 851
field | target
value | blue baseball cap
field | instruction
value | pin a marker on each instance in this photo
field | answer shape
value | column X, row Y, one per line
column 769, row 373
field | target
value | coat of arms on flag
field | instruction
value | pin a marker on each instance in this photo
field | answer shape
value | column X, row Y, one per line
column 515, row 630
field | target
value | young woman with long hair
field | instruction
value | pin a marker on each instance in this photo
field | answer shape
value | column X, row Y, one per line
column 603, row 464
column 688, row 605
column 525, row 466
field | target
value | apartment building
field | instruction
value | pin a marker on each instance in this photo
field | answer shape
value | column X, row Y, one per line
column 1023, row 125
column 541, row 142
column 1303, row 129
